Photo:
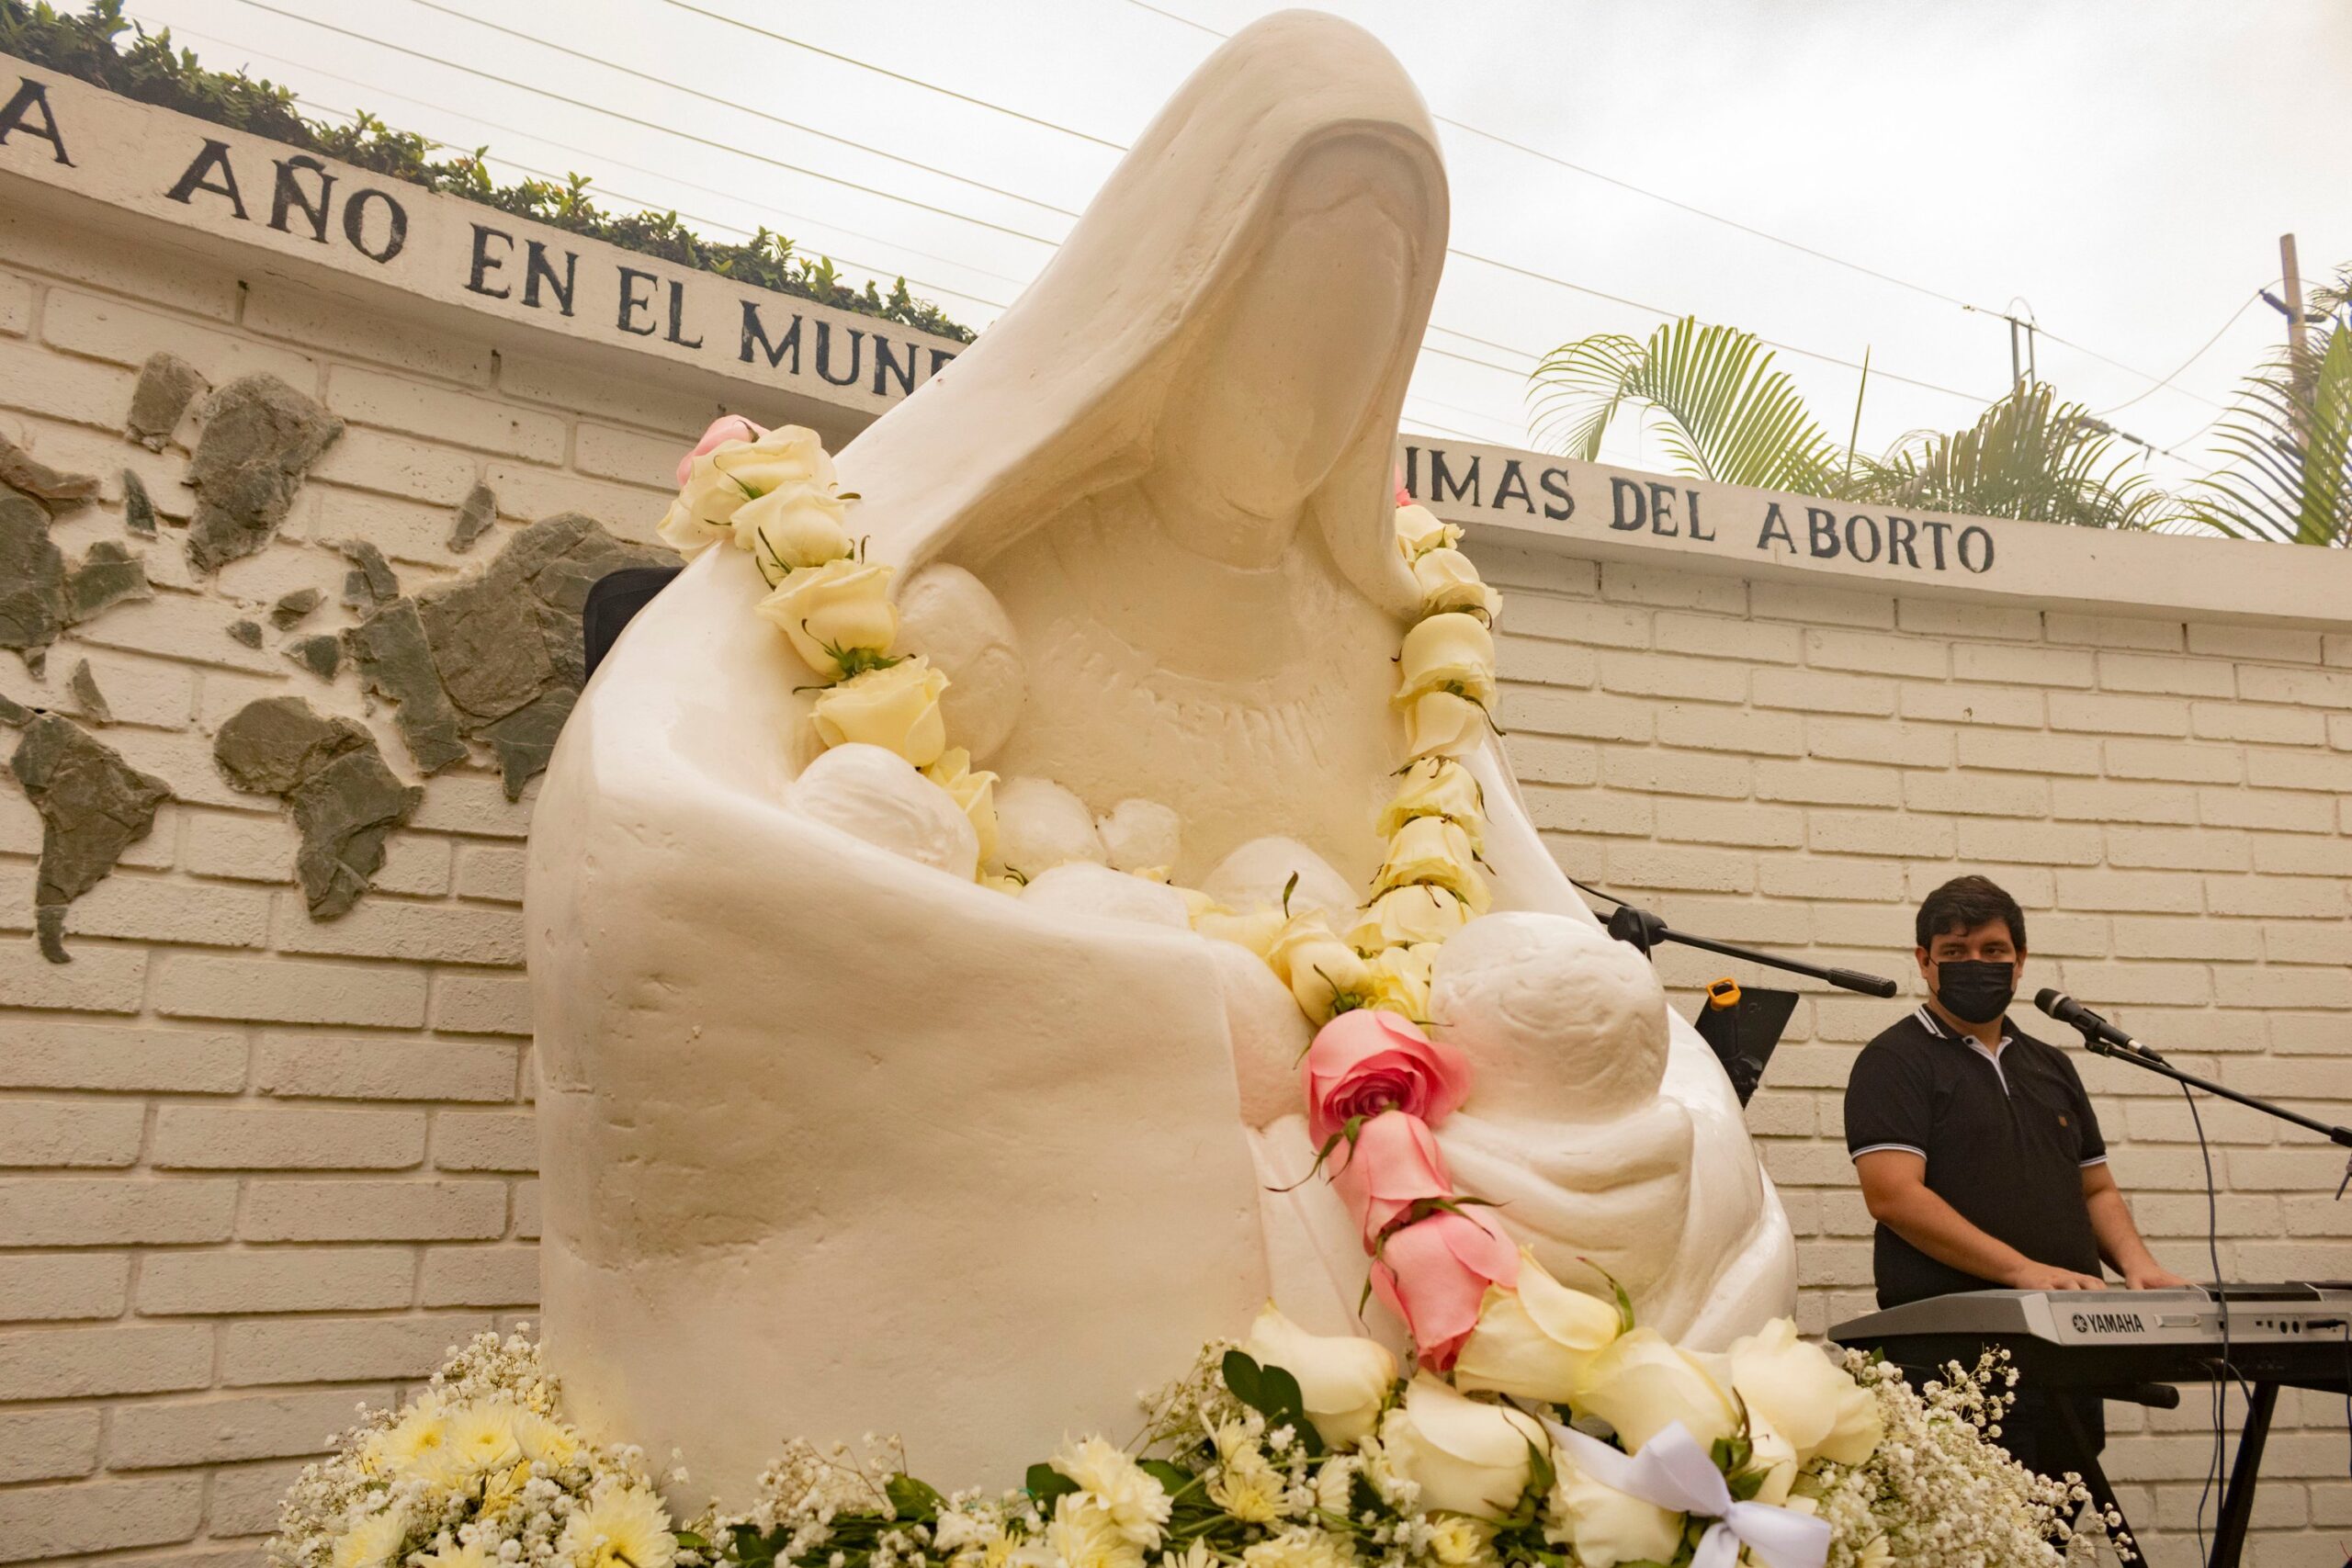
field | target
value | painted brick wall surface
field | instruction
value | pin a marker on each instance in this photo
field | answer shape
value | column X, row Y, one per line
column 260, row 1168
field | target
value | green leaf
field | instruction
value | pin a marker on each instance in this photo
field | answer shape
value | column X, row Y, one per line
column 690, row 1541
column 1241, row 1376
column 1046, row 1484
column 1174, row 1481
column 912, row 1499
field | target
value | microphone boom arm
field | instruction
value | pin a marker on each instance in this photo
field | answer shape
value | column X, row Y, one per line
column 1644, row 930
column 2340, row 1137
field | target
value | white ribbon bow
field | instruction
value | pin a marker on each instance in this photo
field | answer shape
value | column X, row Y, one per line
column 1673, row 1473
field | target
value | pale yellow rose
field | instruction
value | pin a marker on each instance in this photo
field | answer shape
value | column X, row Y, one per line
column 722, row 479
column 1641, row 1384
column 1198, row 904
column 1440, row 724
column 1324, row 974
column 996, row 881
column 1258, row 931
column 896, row 708
column 1408, row 917
column 1452, row 652
column 1538, row 1341
column 1342, row 1380
column 1434, row 852
column 1772, row 1453
column 974, row 790
column 1606, row 1526
column 1448, row 581
column 1438, row 786
column 791, row 528
column 790, row 453
column 1815, row 1403
column 838, row 615
column 1400, row 979
column 1418, row 529
column 1467, row 1456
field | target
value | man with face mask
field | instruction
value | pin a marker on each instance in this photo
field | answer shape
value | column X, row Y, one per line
column 1979, row 1155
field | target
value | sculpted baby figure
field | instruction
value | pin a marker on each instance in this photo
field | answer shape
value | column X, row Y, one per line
column 861, row 1111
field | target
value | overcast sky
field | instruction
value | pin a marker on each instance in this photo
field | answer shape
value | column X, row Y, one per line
column 2123, row 168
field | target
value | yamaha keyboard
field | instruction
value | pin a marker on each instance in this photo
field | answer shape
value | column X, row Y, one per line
column 2130, row 1344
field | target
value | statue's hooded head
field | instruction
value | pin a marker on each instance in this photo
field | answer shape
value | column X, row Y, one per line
column 1231, row 325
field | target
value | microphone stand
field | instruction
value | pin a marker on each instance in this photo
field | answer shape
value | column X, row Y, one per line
column 2340, row 1136
column 1644, row 930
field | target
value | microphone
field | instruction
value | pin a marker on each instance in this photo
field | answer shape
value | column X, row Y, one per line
column 2067, row 1011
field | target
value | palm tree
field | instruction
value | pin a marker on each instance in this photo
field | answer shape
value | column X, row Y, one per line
column 1724, row 413
column 2028, row 455
column 2287, row 450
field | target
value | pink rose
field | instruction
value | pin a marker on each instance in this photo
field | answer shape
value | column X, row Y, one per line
column 725, row 428
column 1435, row 1273
column 1393, row 1165
column 1404, row 496
column 1370, row 1060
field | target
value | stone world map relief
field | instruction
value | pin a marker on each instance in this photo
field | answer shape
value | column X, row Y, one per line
column 492, row 659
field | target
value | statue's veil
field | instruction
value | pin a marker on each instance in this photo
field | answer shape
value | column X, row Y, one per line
column 1058, row 399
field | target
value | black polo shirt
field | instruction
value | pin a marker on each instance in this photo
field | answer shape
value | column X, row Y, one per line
column 2006, row 1136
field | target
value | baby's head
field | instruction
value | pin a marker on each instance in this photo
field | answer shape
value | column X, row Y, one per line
column 1537, row 997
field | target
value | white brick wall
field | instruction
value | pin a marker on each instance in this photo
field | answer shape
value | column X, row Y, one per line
column 255, row 1168
column 2167, row 800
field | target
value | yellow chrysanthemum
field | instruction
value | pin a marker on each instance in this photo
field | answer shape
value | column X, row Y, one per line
column 480, row 1439
column 373, row 1541
column 542, row 1437
column 412, row 1445
column 622, row 1526
column 461, row 1557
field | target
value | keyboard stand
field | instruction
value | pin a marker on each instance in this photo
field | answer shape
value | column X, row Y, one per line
column 2237, row 1501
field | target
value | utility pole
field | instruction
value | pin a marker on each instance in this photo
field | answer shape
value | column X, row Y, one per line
column 2299, row 362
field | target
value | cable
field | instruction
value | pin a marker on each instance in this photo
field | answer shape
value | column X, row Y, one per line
column 1530, row 273
column 742, row 107
column 2243, row 306
column 895, row 76
column 1919, row 289
column 641, row 202
column 652, row 125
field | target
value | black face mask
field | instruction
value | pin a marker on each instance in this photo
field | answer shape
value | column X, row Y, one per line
column 1975, row 990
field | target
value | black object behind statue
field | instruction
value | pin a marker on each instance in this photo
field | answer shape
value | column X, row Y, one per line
column 1742, row 1024
column 613, row 600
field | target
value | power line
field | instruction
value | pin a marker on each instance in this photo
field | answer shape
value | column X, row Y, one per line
column 1748, row 228
column 744, row 109
column 896, row 76
column 2244, row 305
column 650, row 125
column 641, row 202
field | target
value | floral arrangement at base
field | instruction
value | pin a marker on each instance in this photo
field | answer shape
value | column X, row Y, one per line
column 477, row 1472
column 1584, row 1442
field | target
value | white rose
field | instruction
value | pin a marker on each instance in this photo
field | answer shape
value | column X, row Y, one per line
column 1772, row 1453
column 1538, row 1341
column 1434, row 852
column 1812, row 1402
column 1448, row 581
column 1641, row 1384
column 1467, row 1456
column 793, row 526
column 1418, row 529
column 1400, row 979
column 975, row 792
column 1258, row 931
column 835, row 612
column 1437, row 786
column 896, row 708
column 1322, row 972
column 1452, row 652
column 1408, row 917
column 1607, row 1526
column 1342, row 1380
column 722, row 479
column 1442, row 724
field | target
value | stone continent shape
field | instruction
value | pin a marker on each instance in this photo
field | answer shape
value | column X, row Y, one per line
column 260, row 437
column 93, row 807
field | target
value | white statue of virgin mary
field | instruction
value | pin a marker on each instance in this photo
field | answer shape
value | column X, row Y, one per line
column 835, row 1142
